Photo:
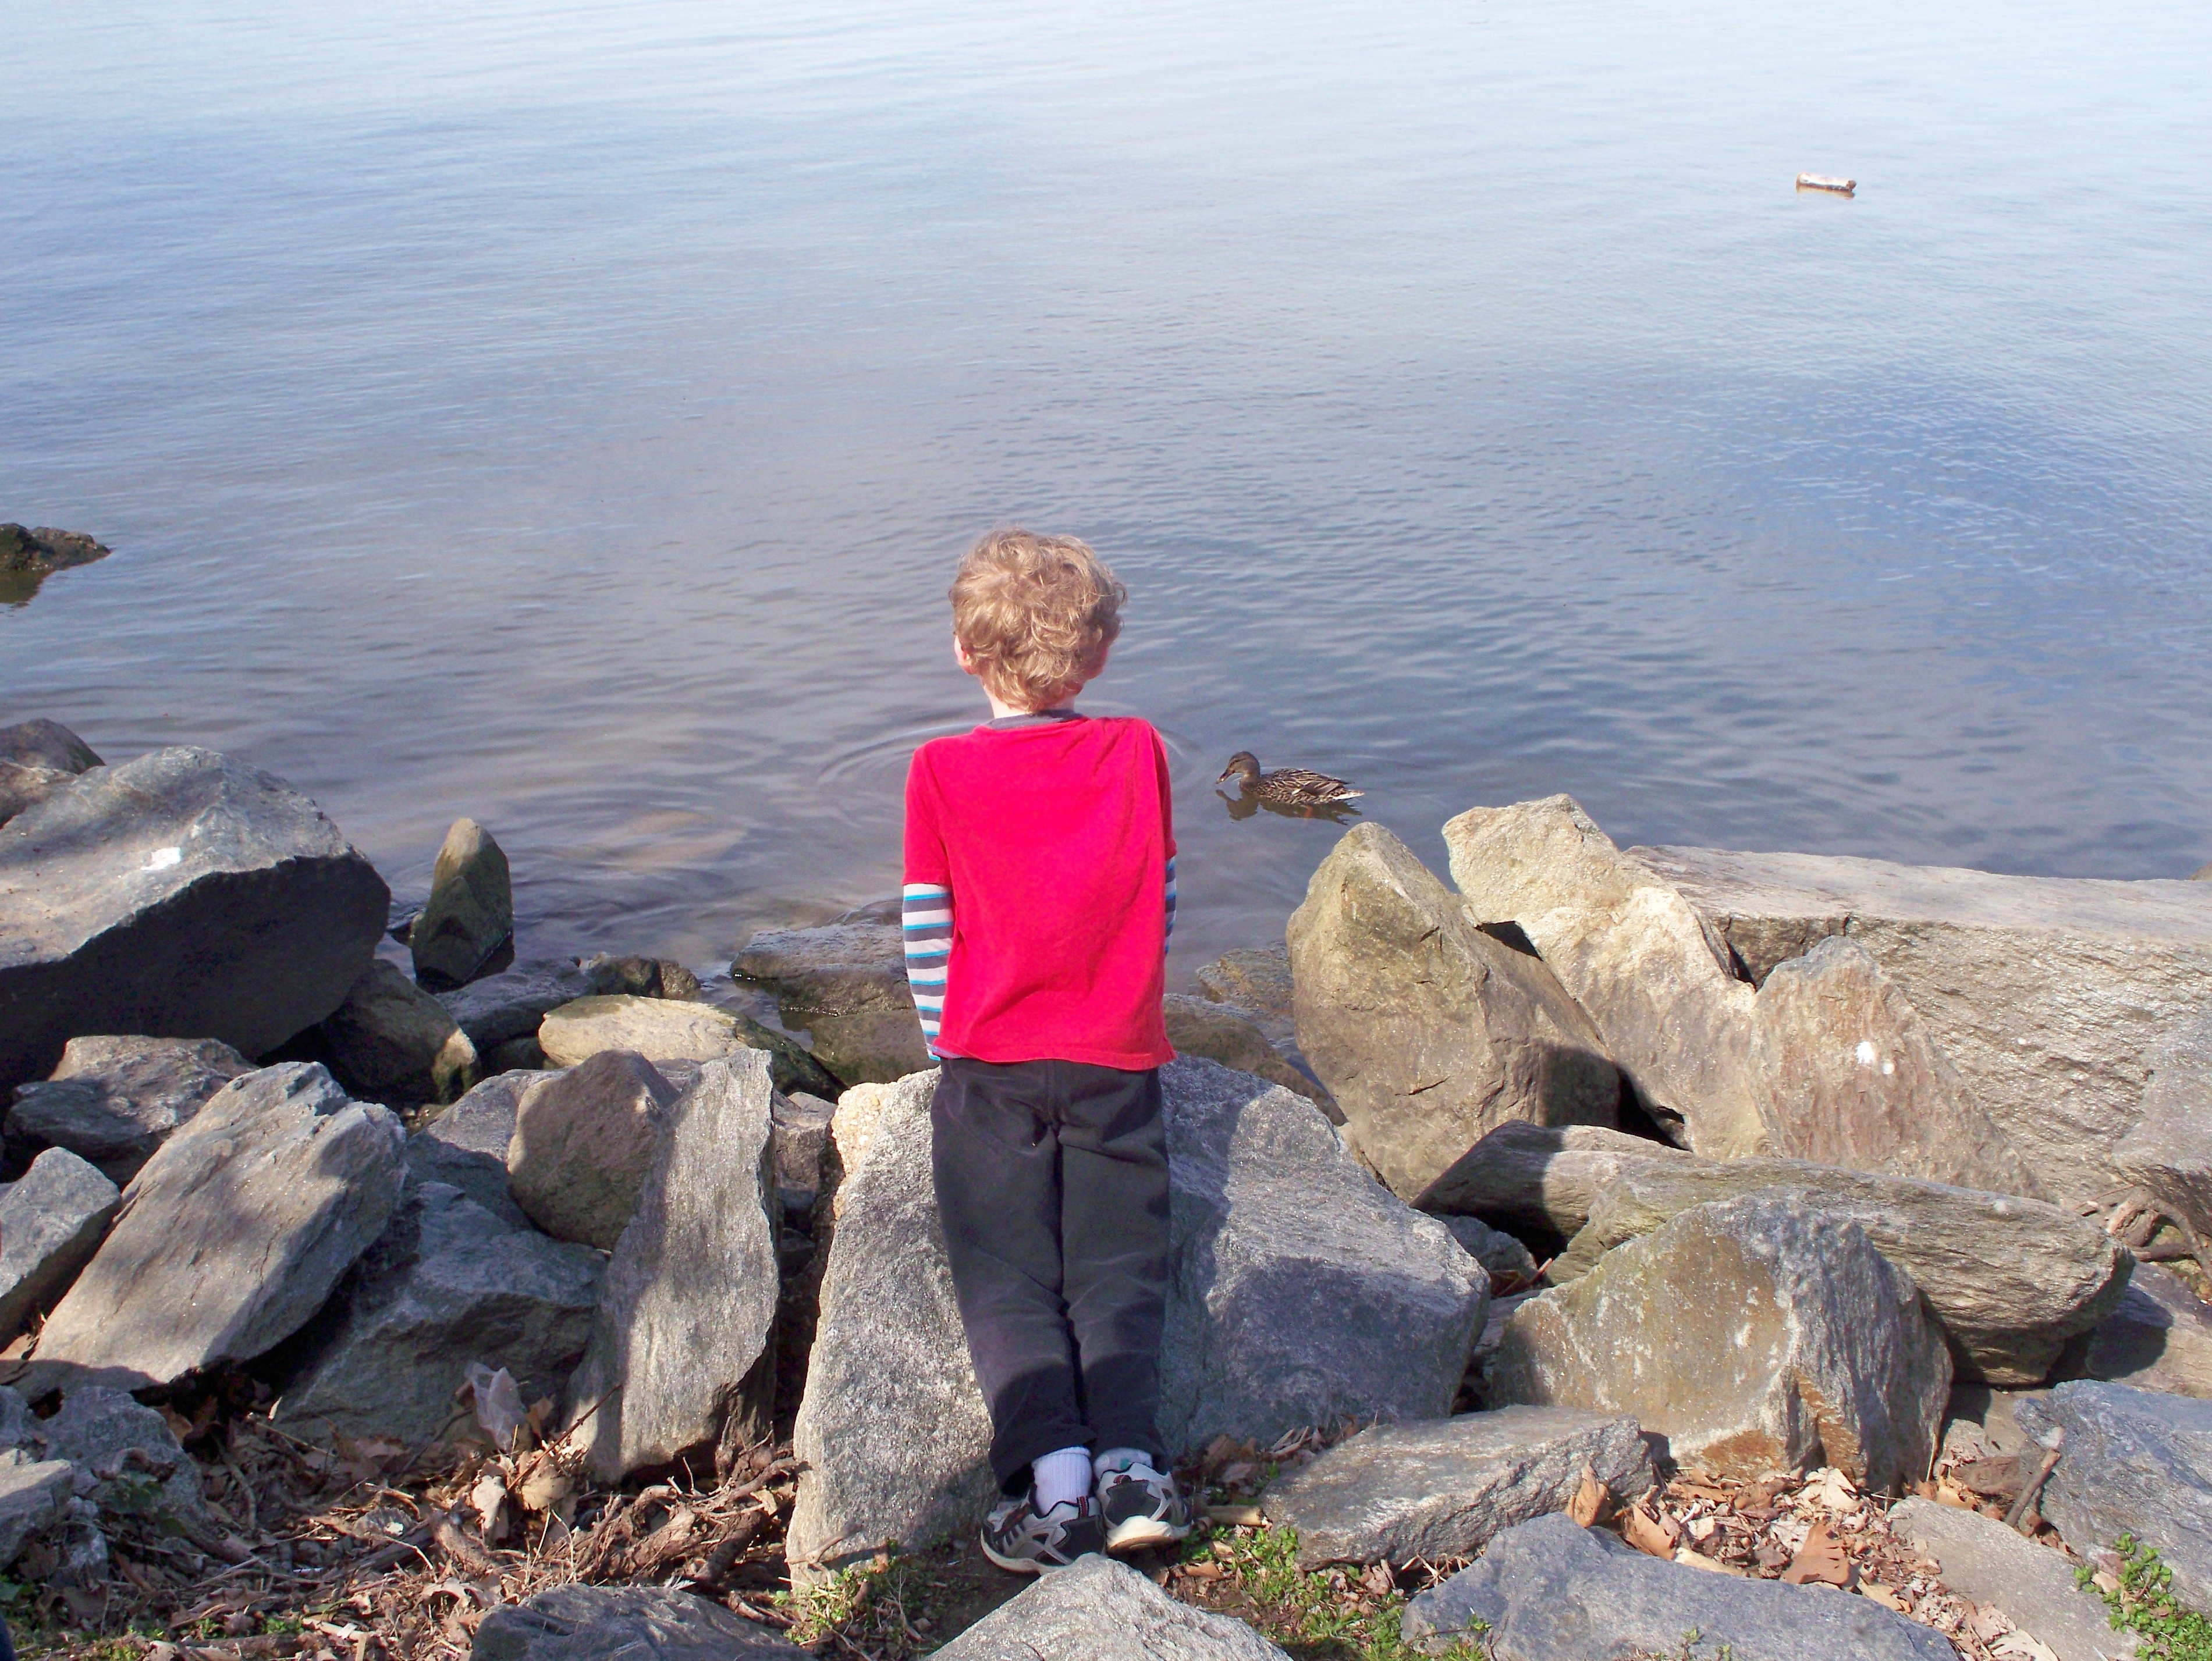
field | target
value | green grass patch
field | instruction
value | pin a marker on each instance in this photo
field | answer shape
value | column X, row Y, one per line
column 2143, row 1602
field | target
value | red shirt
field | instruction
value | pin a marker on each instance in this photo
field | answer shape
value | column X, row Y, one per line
column 1054, row 837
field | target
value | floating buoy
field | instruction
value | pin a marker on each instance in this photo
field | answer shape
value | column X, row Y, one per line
column 1822, row 182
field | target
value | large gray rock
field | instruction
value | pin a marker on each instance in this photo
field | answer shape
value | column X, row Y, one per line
column 2048, row 994
column 2169, row 1152
column 128, row 1459
column 682, row 1346
column 1656, row 981
column 32, row 1495
column 665, row 1029
column 845, row 984
column 37, row 758
column 1754, row 1334
column 1442, row 1489
column 1301, row 1292
column 583, row 1140
column 114, row 1100
column 448, row 1284
column 466, row 1145
column 184, row 895
column 1850, row 1077
column 2134, row 1462
column 2009, row 1280
column 1983, row 1559
column 2159, row 1337
column 1428, row 1032
column 1219, row 1033
column 1540, row 1178
column 469, row 915
column 1098, row 1610
column 51, row 1220
column 1548, row 1590
column 232, row 1236
column 1494, row 1249
column 510, row 1005
column 623, row 1623
column 390, row 1038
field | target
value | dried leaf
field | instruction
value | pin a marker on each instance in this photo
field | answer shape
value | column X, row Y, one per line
column 1887, row 1596
column 1690, row 1557
column 1655, row 1536
column 1591, row 1502
column 1822, row 1558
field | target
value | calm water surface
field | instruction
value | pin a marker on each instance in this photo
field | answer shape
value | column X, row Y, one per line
column 569, row 415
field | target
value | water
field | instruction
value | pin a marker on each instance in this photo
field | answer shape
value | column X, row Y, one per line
column 569, row 416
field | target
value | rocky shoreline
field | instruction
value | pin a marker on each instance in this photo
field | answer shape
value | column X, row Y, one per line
column 1693, row 1239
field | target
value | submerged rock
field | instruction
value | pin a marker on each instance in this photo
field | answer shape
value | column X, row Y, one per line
column 232, row 1236
column 182, row 894
column 1396, row 1494
column 469, row 915
column 1098, row 1610
column 1428, row 1032
column 1196, row 1028
column 51, row 1220
column 29, row 557
column 1548, row 1590
column 844, row 984
column 391, row 1038
column 1258, row 979
column 623, row 1623
column 113, row 1101
column 2134, row 1462
column 1301, row 1292
column 2009, row 1280
column 1754, row 1334
column 37, row 758
column 641, row 977
column 583, row 1140
column 683, row 1348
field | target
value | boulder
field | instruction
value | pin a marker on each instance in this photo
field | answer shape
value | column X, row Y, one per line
column 641, row 977
column 1196, row 1028
column 1654, row 979
column 800, row 1148
column 1301, row 1292
column 501, row 1008
column 2169, row 1152
column 2007, row 1279
column 29, row 557
column 2049, row 995
column 670, row 1029
column 1257, row 980
column 114, row 1100
column 233, row 1235
column 1540, row 1179
column 1548, row 1590
column 466, row 1146
column 1754, row 1334
column 391, row 1038
column 583, row 1140
column 617, row 1623
column 97, row 1428
column 2134, row 1462
column 1428, row 1032
column 844, row 983
column 32, row 1496
column 1395, row 1493
column 469, row 915
column 51, row 1221
column 448, row 1283
column 2158, row 1337
column 683, row 1348
column 1098, row 1610
column 37, row 758
column 1495, row 1250
column 184, row 895
column 1983, row 1559
column 1850, row 1077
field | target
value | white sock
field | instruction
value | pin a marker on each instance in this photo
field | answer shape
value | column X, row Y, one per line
column 1061, row 1476
column 1124, row 1459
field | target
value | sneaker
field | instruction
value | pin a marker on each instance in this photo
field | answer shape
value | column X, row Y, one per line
column 1019, row 1537
column 1141, row 1508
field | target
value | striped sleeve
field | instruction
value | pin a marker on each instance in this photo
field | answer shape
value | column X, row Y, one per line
column 927, row 913
column 1171, row 897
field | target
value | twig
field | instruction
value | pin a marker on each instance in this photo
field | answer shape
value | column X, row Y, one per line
column 2034, row 1484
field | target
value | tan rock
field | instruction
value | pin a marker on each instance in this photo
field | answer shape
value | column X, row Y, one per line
column 470, row 913
column 1657, row 982
column 1429, row 1033
column 658, row 1028
column 844, row 984
column 1196, row 1028
column 584, row 1141
column 2169, row 1152
column 1537, row 1179
column 1755, row 1335
column 1256, row 979
column 2158, row 1337
column 390, row 1038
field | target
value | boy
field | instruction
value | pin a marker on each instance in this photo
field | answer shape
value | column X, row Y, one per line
column 1040, row 889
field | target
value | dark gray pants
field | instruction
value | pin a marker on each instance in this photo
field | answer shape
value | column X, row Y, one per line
column 1052, row 1182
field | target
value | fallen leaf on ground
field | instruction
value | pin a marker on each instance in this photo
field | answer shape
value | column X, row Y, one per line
column 1655, row 1536
column 1822, row 1558
column 1591, row 1499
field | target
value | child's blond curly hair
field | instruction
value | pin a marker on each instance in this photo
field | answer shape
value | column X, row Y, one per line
column 1036, row 615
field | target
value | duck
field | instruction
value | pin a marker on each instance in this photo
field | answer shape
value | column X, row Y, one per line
column 1289, row 787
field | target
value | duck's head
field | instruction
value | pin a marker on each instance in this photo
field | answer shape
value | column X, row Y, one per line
column 1243, row 765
